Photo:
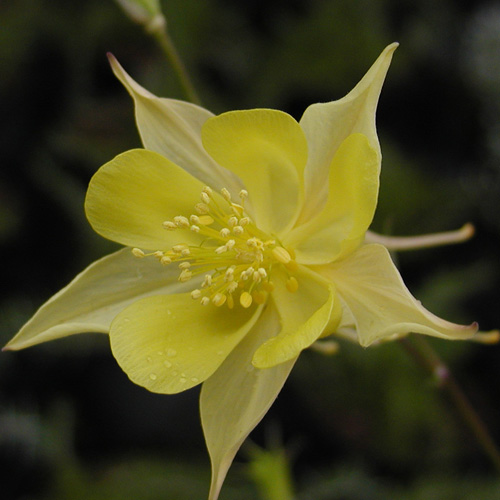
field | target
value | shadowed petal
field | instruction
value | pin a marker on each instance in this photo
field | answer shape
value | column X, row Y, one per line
column 381, row 305
column 236, row 397
column 173, row 129
column 268, row 151
column 304, row 315
column 170, row 343
column 352, row 198
column 91, row 301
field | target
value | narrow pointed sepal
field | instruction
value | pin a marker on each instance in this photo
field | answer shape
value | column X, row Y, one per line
column 378, row 302
column 237, row 396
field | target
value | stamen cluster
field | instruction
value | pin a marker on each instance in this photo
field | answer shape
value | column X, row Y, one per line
column 235, row 258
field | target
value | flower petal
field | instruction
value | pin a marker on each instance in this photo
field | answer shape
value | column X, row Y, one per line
column 130, row 197
column 381, row 305
column 91, row 301
column 326, row 125
column 173, row 129
column 170, row 343
column 268, row 151
column 352, row 198
column 236, row 397
column 304, row 315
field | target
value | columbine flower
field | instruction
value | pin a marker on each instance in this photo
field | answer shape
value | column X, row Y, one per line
column 247, row 242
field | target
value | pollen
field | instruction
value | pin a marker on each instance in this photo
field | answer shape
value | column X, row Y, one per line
column 234, row 261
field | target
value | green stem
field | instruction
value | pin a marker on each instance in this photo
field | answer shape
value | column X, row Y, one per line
column 160, row 33
column 428, row 358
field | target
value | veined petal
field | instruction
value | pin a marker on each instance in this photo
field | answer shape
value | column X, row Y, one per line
column 236, row 397
column 91, row 301
column 304, row 316
column 170, row 343
column 173, row 129
column 381, row 305
column 326, row 125
column 352, row 199
column 130, row 197
column 268, row 151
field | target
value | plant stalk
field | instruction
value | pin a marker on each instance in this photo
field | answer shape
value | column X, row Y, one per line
column 423, row 353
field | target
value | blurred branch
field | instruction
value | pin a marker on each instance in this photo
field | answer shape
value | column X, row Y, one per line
column 423, row 353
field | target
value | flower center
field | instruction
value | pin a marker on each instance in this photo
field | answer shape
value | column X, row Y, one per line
column 235, row 258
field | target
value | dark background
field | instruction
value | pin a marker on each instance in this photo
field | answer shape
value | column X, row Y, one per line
column 365, row 424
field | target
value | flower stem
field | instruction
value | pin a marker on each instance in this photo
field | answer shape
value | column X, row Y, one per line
column 427, row 358
column 160, row 33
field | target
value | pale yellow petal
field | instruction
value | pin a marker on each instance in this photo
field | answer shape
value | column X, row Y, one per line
column 352, row 198
column 304, row 316
column 381, row 305
column 130, row 197
column 91, row 301
column 173, row 129
column 236, row 397
column 170, row 343
column 326, row 125
column 267, row 150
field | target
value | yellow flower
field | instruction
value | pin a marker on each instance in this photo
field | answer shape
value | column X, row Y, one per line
column 247, row 241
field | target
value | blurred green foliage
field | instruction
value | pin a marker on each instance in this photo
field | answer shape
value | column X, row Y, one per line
column 364, row 424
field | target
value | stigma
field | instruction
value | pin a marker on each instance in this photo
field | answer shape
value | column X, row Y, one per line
column 234, row 262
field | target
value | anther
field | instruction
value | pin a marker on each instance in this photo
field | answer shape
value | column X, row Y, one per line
column 165, row 260
column 181, row 221
column 229, row 274
column 226, row 194
column 196, row 294
column 205, row 301
column 137, row 252
column 232, row 221
column 184, row 265
column 244, row 221
column 243, row 194
column 205, row 220
column 281, row 255
column 179, row 248
column 195, row 229
column 224, row 232
column 208, row 190
column 169, row 225
column 205, row 198
column 246, row 300
column 230, row 244
column 202, row 208
column 238, row 230
column 186, row 275
column 219, row 299
column 221, row 249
